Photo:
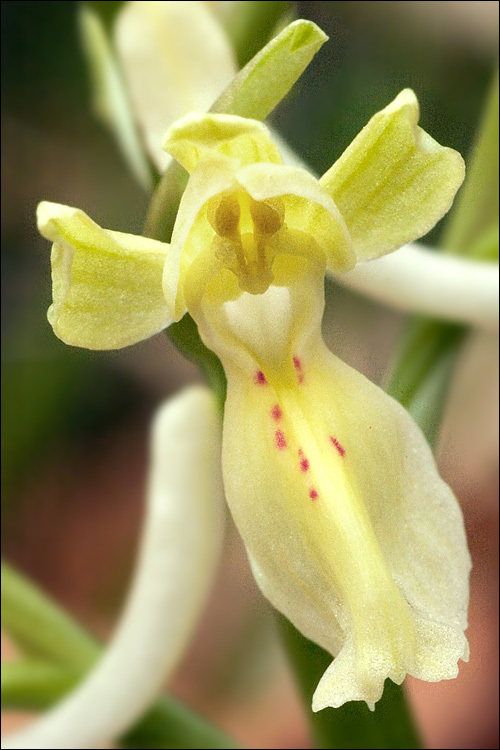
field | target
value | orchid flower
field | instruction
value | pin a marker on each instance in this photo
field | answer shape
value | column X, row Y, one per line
column 350, row 531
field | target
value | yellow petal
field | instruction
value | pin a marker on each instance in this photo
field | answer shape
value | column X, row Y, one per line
column 350, row 530
column 176, row 59
column 203, row 137
column 394, row 182
column 204, row 183
column 308, row 208
column 232, row 155
column 107, row 286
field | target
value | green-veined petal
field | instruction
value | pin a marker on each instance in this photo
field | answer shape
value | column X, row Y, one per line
column 106, row 286
column 394, row 182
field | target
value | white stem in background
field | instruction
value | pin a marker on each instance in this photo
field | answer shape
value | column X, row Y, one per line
column 441, row 285
column 179, row 552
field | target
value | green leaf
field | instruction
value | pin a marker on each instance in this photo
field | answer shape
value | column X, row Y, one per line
column 33, row 685
column 485, row 247
column 422, row 346
column 422, row 369
column 40, row 627
column 30, row 685
column 106, row 9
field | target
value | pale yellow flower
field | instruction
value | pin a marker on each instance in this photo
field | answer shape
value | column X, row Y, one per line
column 350, row 530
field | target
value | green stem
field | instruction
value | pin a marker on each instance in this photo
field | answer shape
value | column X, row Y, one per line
column 476, row 207
column 40, row 627
column 424, row 364
column 422, row 371
column 186, row 338
column 66, row 652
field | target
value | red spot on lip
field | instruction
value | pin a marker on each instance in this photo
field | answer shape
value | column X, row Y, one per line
column 337, row 445
column 313, row 494
column 259, row 378
column 298, row 369
column 304, row 462
column 280, row 440
column 276, row 412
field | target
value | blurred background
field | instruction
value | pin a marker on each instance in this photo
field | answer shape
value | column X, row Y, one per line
column 75, row 423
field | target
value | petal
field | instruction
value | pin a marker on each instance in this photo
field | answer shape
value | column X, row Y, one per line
column 205, row 137
column 394, row 182
column 107, row 286
column 178, row 556
column 209, row 179
column 351, row 532
column 176, row 59
column 308, row 208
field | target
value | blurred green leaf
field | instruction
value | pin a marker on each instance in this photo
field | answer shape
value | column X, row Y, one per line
column 421, row 370
column 32, row 685
column 40, row 627
column 107, row 10
column 476, row 207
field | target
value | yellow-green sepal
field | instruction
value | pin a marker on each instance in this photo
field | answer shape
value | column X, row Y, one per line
column 201, row 137
column 394, row 182
column 106, row 286
column 267, row 78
